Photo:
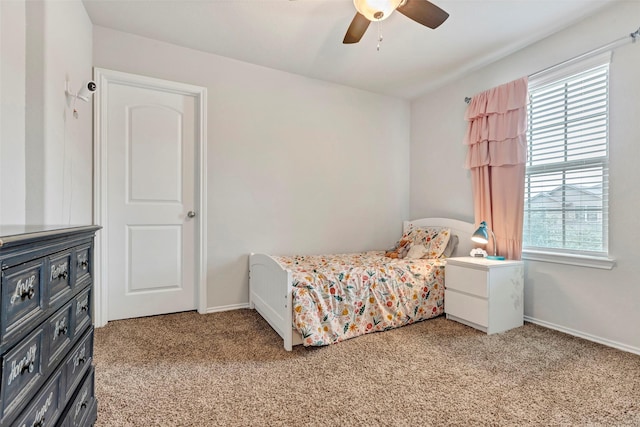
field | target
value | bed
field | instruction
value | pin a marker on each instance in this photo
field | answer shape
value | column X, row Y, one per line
column 323, row 299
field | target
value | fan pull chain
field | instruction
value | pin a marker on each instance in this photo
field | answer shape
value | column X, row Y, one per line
column 379, row 35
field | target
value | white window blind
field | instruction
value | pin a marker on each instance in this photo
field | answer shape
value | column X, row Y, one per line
column 566, row 183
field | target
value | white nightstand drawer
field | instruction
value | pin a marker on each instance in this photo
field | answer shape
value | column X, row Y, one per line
column 467, row 280
column 468, row 307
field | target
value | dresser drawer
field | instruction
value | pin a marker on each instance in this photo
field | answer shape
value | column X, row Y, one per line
column 82, row 309
column 59, row 334
column 468, row 307
column 83, row 263
column 23, row 297
column 82, row 408
column 467, row 280
column 78, row 361
column 22, row 371
column 59, row 276
column 45, row 409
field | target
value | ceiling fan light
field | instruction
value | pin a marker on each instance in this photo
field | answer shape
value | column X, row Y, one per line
column 376, row 10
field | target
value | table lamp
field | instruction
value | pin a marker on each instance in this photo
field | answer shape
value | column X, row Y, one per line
column 482, row 236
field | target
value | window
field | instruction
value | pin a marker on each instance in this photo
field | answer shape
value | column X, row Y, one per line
column 566, row 182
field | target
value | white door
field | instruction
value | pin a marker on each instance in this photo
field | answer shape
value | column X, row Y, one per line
column 149, row 139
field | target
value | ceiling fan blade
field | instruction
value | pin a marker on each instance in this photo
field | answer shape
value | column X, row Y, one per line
column 423, row 12
column 357, row 28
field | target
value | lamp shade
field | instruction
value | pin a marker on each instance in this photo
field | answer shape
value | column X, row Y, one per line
column 376, row 10
column 481, row 235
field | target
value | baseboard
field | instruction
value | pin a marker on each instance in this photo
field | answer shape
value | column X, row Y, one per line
column 227, row 307
column 549, row 325
column 583, row 335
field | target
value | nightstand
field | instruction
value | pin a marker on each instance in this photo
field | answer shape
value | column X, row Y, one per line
column 484, row 294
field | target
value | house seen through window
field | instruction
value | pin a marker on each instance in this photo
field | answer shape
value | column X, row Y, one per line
column 566, row 183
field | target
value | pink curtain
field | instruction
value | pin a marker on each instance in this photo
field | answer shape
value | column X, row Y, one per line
column 497, row 154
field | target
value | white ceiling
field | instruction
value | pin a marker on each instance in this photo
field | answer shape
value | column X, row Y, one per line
column 305, row 36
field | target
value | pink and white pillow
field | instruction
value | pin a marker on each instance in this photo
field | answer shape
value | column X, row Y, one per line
column 429, row 242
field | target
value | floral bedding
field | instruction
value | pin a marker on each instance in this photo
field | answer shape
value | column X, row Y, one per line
column 337, row 297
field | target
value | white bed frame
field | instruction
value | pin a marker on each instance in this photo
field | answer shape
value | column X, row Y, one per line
column 270, row 285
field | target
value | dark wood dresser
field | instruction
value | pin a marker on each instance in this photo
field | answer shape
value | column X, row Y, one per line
column 46, row 328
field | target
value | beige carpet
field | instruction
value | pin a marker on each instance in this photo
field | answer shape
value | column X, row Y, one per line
column 230, row 369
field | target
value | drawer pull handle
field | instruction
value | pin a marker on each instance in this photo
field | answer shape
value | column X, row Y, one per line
column 25, row 289
column 62, row 330
column 40, row 422
column 28, row 293
column 59, row 271
column 80, row 407
column 84, row 264
column 27, row 367
column 19, row 367
column 81, row 360
column 84, row 307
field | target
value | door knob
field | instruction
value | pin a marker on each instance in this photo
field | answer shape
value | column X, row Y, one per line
column 191, row 214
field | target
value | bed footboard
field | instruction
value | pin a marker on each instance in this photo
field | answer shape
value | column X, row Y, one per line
column 270, row 295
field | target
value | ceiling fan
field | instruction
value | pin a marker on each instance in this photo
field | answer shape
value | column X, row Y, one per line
column 421, row 11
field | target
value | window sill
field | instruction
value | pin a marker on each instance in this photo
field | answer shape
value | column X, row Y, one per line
column 569, row 259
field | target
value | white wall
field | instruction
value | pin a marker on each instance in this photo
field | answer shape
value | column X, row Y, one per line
column 598, row 304
column 68, row 141
column 295, row 165
column 12, row 112
column 45, row 155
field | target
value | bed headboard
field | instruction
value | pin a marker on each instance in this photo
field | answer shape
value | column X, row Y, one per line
column 464, row 230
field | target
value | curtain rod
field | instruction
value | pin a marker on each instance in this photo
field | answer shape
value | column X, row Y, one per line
column 632, row 37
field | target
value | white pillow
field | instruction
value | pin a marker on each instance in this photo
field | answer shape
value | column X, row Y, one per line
column 417, row 252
